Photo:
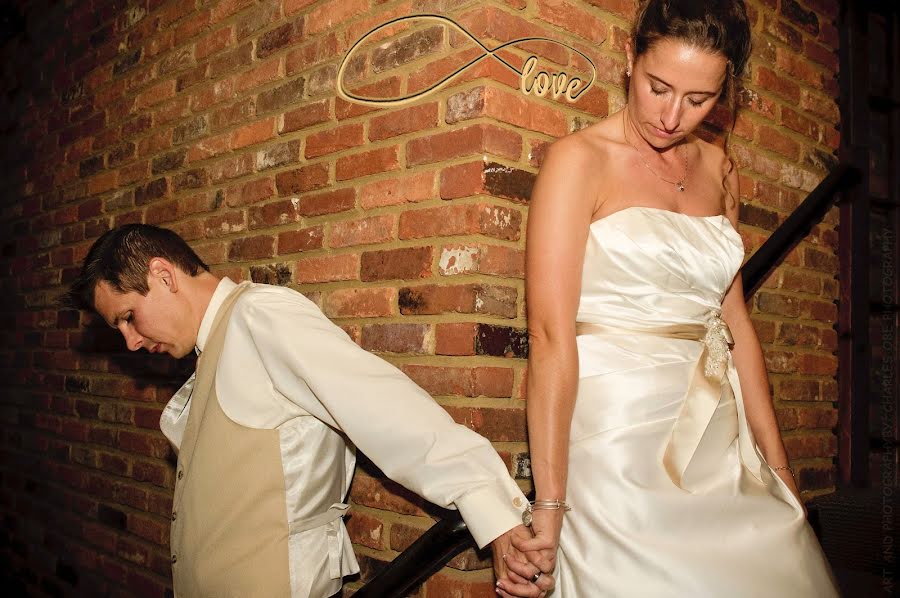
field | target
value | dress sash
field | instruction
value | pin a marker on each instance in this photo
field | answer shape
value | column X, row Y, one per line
column 713, row 375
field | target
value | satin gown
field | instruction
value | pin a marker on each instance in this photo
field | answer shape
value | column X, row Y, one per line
column 670, row 495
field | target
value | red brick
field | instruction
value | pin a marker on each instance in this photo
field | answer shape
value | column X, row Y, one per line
column 810, row 445
column 273, row 214
column 103, row 182
column 797, row 67
column 820, row 105
column 205, row 97
column 771, row 139
column 148, row 528
column 493, row 382
column 327, row 202
column 227, row 8
column 307, row 116
column 485, row 259
column 264, row 72
column 181, row 59
column 406, row 263
column 389, row 87
column 252, row 248
column 495, row 424
column 321, row 49
column 223, row 224
column 305, row 239
column 158, row 93
column 229, row 62
column 209, row 147
column 455, row 338
column 366, row 531
column 809, row 418
column 307, row 178
column 472, row 140
column 462, row 180
column 292, row 6
column 500, row 222
column 402, row 536
column 396, row 338
column 509, row 107
column 159, row 213
column 191, row 26
column 400, row 122
column 144, row 444
column 366, row 163
column 465, row 298
column 801, row 124
column 822, row 365
column 827, row 57
column 250, row 192
column 767, row 79
column 573, row 19
column 437, row 70
column 334, row 140
column 257, row 19
column 279, row 38
column 234, row 114
column 331, row 13
column 442, row 380
column 328, row 268
column 406, row 48
column 397, row 190
column 375, row 229
column 360, row 303
column 450, row 583
column 385, row 494
column 253, row 133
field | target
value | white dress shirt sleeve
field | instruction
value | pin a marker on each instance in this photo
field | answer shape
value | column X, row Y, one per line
column 315, row 365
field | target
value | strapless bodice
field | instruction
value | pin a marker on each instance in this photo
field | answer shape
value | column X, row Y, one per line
column 647, row 267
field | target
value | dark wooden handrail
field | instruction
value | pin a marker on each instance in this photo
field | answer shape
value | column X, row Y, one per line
column 450, row 536
column 423, row 558
column 796, row 226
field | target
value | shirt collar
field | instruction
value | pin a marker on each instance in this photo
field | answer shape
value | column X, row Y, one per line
column 224, row 288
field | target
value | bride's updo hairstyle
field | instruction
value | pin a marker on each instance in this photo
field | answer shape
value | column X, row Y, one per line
column 718, row 26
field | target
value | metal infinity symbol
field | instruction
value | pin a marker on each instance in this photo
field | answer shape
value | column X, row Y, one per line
column 540, row 83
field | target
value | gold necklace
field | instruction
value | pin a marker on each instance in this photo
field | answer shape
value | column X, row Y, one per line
column 679, row 184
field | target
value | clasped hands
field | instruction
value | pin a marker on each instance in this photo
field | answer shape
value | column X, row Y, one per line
column 524, row 558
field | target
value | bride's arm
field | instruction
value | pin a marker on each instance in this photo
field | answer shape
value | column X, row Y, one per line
column 751, row 369
column 560, row 212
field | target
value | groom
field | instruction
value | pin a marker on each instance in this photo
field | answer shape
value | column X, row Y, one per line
column 265, row 429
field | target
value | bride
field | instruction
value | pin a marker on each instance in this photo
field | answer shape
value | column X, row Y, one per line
column 658, row 465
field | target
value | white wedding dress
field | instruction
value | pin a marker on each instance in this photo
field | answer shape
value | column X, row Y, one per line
column 670, row 496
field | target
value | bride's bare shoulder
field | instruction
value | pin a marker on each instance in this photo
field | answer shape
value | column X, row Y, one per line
column 585, row 149
column 712, row 155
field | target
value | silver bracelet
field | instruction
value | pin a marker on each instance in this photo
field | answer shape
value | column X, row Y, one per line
column 785, row 467
column 542, row 505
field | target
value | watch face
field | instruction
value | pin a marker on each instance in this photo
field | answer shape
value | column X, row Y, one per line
column 526, row 518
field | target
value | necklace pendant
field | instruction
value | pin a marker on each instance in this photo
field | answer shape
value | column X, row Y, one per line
column 680, row 185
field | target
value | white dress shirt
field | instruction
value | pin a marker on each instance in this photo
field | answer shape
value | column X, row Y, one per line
column 285, row 366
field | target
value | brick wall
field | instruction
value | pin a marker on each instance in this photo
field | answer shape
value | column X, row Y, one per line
column 219, row 119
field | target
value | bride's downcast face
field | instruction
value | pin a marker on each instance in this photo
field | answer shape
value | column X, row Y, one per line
column 673, row 87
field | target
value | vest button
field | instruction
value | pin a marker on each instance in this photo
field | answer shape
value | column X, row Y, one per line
column 174, row 515
column 180, row 473
column 174, row 558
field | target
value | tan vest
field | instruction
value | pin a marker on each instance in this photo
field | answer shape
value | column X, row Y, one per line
column 229, row 520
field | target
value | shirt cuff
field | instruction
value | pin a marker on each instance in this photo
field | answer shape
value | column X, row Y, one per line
column 492, row 511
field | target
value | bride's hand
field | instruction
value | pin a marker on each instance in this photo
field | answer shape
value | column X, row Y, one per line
column 545, row 526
